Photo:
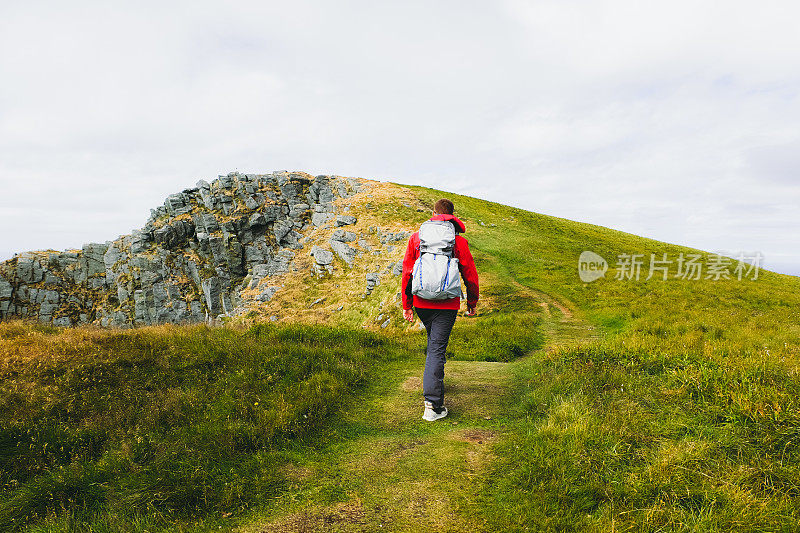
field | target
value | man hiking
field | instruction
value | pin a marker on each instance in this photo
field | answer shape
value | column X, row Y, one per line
column 436, row 259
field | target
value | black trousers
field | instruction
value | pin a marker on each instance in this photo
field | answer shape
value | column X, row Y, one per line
column 438, row 324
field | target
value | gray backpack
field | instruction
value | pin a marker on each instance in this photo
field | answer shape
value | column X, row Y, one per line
column 436, row 275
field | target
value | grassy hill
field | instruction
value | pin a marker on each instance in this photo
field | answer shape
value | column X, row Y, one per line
column 616, row 405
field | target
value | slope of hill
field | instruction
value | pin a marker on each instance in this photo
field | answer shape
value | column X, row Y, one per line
column 685, row 415
column 619, row 404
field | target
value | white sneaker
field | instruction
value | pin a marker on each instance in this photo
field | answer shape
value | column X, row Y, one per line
column 430, row 413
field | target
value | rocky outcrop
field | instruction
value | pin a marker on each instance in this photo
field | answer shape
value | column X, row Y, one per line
column 193, row 258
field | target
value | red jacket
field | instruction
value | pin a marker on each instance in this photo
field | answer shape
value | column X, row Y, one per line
column 465, row 264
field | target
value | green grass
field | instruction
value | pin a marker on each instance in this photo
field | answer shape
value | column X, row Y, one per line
column 495, row 337
column 611, row 436
column 170, row 423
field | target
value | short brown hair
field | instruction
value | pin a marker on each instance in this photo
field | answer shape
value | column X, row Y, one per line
column 443, row 207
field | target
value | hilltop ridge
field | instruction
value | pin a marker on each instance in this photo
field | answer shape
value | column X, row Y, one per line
column 216, row 249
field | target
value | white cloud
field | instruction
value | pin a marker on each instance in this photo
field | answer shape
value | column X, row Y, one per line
column 674, row 120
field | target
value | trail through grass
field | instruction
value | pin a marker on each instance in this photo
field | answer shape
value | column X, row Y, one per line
column 385, row 469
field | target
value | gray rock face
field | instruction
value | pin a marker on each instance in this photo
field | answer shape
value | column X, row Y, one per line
column 63, row 322
column 325, row 208
column 112, row 256
column 267, row 294
column 321, row 255
column 177, row 204
column 257, row 221
column 29, row 270
column 235, row 257
column 394, row 237
column 174, row 235
column 373, row 280
column 211, row 291
column 343, row 236
column 320, row 219
column 397, row 268
column 323, row 260
column 345, row 220
column 191, row 260
column 6, row 290
column 93, row 257
column 210, row 223
column 254, row 202
column 277, row 264
column 281, row 229
column 258, row 251
column 226, row 182
column 141, row 311
column 320, row 191
column 344, row 251
column 298, row 210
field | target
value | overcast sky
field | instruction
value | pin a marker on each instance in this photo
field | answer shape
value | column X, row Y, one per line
column 673, row 120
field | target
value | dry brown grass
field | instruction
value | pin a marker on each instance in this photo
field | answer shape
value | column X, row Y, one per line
column 411, row 384
column 345, row 516
column 346, row 286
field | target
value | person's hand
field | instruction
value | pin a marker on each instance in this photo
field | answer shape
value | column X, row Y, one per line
column 470, row 310
column 408, row 314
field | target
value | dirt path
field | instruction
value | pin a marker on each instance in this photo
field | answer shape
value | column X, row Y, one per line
column 398, row 472
column 564, row 327
column 392, row 471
